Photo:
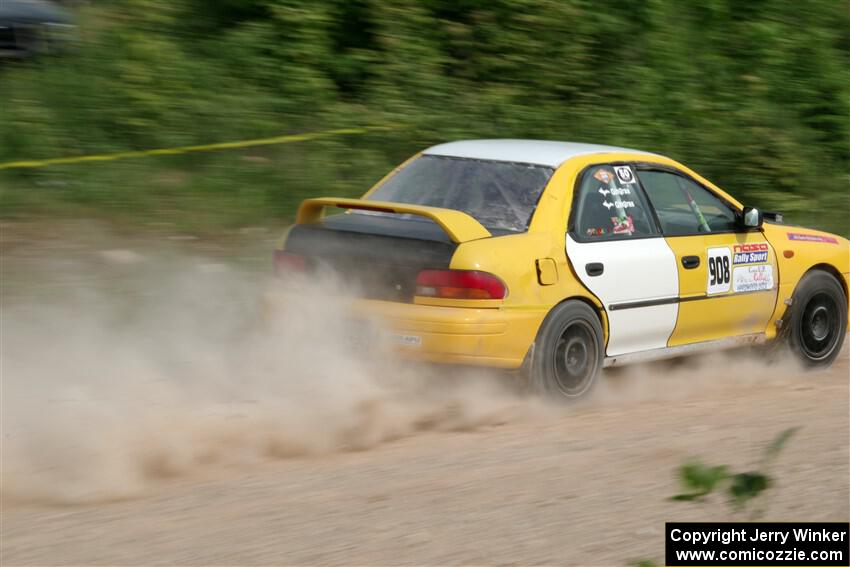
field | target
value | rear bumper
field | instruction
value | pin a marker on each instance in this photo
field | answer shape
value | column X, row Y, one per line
column 455, row 335
column 495, row 337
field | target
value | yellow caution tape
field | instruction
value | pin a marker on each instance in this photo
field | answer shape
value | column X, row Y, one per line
column 287, row 139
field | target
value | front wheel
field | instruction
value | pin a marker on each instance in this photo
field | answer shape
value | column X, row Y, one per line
column 818, row 319
column 568, row 352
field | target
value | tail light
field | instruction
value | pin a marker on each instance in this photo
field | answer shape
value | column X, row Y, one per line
column 459, row 284
column 288, row 263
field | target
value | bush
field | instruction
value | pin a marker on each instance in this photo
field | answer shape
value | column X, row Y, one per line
column 755, row 98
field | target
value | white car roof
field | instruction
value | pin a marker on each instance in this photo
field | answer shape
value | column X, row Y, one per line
column 538, row 152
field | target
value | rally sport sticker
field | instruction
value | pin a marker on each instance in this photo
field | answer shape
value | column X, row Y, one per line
column 752, row 278
column 755, row 253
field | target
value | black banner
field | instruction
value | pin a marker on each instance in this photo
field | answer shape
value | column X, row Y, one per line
column 813, row 544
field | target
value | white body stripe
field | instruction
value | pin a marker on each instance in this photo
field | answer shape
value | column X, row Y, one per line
column 634, row 270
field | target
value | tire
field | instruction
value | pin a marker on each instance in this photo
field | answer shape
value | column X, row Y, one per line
column 818, row 319
column 567, row 354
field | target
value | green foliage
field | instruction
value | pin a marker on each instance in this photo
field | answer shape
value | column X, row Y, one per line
column 772, row 451
column 745, row 486
column 757, row 100
column 700, row 480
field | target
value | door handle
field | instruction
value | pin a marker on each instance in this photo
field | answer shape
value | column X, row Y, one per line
column 690, row 262
column 594, row 269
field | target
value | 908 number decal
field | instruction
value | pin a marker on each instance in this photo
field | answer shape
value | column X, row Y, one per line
column 719, row 270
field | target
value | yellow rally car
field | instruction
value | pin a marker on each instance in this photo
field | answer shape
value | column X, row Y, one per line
column 563, row 258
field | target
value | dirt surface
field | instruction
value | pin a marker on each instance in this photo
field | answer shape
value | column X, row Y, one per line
column 474, row 477
column 586, row 487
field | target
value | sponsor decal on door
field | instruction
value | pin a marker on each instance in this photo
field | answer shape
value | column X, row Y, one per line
column 753, row 278
column 755, row 253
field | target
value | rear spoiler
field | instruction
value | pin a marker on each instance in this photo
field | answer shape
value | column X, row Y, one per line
column 458, row 225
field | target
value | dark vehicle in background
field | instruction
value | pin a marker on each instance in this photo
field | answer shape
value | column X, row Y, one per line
column 32, row 27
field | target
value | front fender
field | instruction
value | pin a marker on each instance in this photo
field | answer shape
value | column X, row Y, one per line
column 799, row 250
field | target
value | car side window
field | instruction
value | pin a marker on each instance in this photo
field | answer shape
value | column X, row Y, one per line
column 685, row 207
column 610, row 205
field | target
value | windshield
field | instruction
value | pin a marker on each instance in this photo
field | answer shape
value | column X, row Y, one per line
column 500, row 195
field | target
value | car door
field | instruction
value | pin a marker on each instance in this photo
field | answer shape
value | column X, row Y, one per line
column 727, row 274
column 616, row 249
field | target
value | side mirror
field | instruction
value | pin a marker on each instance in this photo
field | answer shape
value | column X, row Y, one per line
column 752, row 217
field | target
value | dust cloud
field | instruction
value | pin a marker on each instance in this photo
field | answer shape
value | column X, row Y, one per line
column 681, row 379
column 143, row 369
column 194, row 365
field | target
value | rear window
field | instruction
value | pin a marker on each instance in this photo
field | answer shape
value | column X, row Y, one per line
column 500, row 195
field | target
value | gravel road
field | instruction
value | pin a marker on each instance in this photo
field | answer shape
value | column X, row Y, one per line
column 585, row 485
column 210, row 469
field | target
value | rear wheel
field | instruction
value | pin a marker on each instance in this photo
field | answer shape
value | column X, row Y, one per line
column 568, row 351
column 818, row 319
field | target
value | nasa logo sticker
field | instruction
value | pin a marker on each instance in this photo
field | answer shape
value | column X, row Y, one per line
column 624, row 174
